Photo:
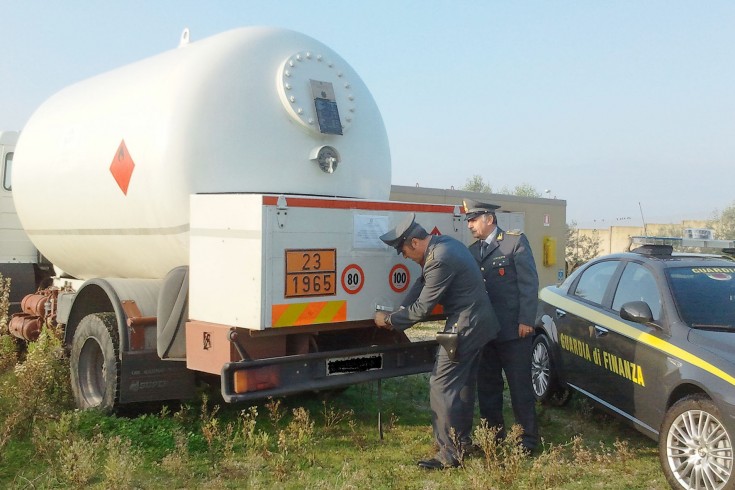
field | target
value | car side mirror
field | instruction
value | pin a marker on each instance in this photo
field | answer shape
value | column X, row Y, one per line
column 636, row 311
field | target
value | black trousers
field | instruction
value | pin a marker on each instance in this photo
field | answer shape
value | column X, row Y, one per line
column 514, row 358
column 452, row 399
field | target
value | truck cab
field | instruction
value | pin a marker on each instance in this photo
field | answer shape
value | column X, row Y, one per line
column 18, row 256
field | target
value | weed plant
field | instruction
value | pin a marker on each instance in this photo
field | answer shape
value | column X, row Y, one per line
column 4, row 303
column 8, row 345
column 319, row 441
column 310, row 443
column 36, row 389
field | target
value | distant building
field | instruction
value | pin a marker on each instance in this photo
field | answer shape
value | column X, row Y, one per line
column 616, row 238
column 542, row 220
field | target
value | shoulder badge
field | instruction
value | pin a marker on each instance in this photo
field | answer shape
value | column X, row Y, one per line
column 514, row 232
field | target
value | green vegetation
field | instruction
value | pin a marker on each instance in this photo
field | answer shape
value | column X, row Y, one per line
column 724, row 223
column 477, row 184
column 321, row 441
column 312, row 441
column 580, row 248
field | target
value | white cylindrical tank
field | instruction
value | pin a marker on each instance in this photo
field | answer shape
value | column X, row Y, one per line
column 104, row 169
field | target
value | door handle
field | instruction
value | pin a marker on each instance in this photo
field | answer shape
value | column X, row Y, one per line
column 560, row 313
column 600, row 331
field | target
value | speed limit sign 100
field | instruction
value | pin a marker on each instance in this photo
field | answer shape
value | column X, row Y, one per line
column 399, row 278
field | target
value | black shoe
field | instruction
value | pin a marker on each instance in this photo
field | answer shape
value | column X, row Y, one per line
column 435, row 464
column 473, row 451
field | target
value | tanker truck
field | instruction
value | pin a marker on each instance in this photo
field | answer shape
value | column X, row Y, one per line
column 215, row 211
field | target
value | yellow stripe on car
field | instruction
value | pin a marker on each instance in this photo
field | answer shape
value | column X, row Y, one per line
column 588, row 313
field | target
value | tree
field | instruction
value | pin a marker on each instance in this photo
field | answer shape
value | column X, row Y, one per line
column 667, row 230
column 524, row 189
column 580, row 247
column 477, row 184
column 675, row 231
column 724, row 224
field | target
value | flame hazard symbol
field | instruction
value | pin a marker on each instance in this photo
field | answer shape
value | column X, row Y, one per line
column 122, row 167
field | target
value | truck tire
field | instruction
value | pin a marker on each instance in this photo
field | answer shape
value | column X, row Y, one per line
column 95, row 362
column 695, row 447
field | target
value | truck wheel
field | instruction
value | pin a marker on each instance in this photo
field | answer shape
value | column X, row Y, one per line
column 543, row 375
column 695, row 447
column 95, row 362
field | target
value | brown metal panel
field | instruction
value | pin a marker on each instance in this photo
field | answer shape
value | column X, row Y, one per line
column 208, row 346
column 141, row 328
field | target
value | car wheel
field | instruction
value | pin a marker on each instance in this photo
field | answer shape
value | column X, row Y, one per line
column 694, row 446
column 95, row 363
column 543, row 374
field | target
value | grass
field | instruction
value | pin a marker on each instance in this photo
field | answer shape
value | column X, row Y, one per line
column 318, row 440
column 315, row 441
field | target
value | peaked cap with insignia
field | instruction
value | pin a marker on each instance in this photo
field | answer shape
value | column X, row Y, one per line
column 473, row 208
column 407, row 228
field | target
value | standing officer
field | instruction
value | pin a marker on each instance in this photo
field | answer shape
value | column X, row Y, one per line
column 449, row 277
column 511, row 281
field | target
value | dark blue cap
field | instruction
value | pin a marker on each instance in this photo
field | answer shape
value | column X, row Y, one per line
column 403, row 231
column 473, row 208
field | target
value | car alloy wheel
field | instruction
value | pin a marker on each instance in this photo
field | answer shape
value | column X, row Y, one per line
column 695, row 448
column 541, row 368
column 543, row 377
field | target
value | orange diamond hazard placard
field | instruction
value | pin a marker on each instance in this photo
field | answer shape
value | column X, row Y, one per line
column 122, row 167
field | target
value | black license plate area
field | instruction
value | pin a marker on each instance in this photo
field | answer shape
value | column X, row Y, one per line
column 354, row 364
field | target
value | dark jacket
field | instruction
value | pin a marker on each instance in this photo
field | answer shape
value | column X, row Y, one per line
column 511, row 280
column 450, row 277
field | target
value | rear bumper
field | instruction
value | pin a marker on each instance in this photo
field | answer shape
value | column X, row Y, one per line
column 332, row 369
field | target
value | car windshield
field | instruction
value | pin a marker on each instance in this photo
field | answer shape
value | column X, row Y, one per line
column 705, row 296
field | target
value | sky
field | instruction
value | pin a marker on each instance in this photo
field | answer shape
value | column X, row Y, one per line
column 625, row 109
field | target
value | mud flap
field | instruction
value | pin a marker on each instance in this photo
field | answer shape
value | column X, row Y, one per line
column 145, row 377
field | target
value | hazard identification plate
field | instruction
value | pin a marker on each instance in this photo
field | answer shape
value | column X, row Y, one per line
column 311, row 272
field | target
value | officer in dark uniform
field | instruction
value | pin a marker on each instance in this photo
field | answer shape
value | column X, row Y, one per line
column 449, row 277
column 511, row 281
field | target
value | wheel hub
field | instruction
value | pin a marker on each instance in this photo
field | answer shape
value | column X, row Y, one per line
column 699, row 453
column 540, row 370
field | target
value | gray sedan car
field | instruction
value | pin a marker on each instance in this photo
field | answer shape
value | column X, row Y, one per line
column 650, row 336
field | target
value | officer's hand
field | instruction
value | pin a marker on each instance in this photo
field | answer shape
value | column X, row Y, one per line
column 524, row 330
column 381, row 320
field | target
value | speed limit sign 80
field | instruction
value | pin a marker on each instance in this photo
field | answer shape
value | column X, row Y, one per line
column 352, row 279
